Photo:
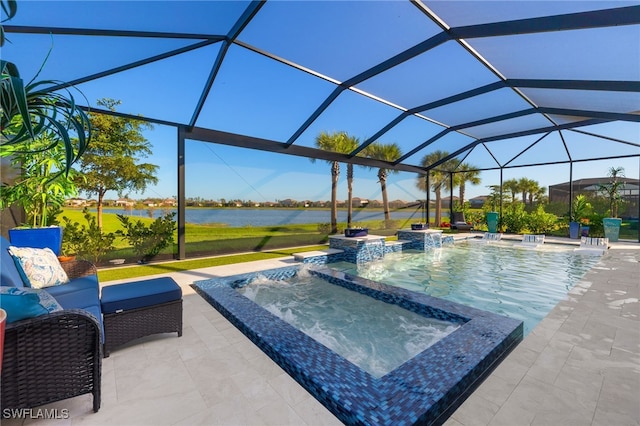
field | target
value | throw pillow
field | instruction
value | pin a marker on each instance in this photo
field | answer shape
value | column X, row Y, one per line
column 38, row 268
column 23, row 303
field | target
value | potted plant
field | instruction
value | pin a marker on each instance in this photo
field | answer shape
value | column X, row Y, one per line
column 581, row 208
column 40, row 189
column 612, row 191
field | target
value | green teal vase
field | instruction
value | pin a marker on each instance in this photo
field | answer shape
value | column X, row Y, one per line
column 492, row 222
column 612, row 228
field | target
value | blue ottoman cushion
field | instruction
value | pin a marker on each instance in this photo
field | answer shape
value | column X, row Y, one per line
column 139, row 294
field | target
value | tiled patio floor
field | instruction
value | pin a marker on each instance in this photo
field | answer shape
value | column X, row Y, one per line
column 580, row 366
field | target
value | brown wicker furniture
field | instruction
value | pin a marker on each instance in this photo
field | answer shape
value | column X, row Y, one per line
column 50, row 358
column 140, row 309
column 58, row 355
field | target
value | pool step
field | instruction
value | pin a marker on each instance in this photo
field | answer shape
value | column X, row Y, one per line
column 300, row 257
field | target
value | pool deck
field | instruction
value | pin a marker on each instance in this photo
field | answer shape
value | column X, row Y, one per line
column 579, row 366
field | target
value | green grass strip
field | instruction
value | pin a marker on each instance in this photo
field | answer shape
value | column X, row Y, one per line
column 111, row 274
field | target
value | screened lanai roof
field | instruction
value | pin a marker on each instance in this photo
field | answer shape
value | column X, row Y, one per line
column 496, row 84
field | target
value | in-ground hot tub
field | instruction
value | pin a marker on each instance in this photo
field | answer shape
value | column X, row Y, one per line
column 424, row 389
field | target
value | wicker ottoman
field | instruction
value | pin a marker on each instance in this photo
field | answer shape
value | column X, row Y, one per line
column 139, row 309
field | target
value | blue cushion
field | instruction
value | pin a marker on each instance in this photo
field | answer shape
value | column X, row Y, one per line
column 97, row 313
column 78, row 299
column 76, row 284
column 9, row 275
column 139, row 294
column 23, row 303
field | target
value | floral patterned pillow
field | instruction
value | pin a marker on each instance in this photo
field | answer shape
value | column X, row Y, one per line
column 22, row 303
column 39, row 268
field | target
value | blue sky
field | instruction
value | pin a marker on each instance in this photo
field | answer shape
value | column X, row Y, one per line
column 259, row 97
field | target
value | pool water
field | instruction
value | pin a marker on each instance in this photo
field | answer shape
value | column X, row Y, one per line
column 376, row 336
column 497, row 277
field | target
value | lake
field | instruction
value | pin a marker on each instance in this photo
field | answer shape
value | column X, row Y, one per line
column 265, row 217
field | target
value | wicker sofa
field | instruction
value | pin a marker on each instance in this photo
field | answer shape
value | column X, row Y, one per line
column 58, row 355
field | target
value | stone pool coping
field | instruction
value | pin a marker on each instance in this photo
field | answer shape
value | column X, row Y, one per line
column 425, row 389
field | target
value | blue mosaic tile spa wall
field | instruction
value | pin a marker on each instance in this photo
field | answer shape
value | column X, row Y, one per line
column 367, row 249
column 360, row 249
column 424, row 390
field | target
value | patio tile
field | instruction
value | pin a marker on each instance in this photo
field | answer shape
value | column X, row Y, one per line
column 278, row 413
column 313, row 413
column 579, row 366
column 477, row 411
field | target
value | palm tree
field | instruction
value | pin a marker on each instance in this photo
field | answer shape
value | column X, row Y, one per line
column 438, row 178
column 468, row 173
column 513, row 186
column 530, row 190
column 385, row 152
column 526, row 187
column 537, row 194
column 337, row 142
column 611, row 189
column 347, row 145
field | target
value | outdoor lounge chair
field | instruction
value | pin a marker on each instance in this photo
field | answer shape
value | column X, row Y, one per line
column 460, row 223
column 491, row 236
column 532, row 240
column 592, row 245
column 57, row 355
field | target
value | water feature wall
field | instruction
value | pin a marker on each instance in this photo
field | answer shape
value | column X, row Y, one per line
column 358, row 249
column 373, row 247
column 424, row 239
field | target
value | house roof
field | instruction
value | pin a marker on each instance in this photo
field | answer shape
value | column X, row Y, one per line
column 497, row 84
column 594, row 181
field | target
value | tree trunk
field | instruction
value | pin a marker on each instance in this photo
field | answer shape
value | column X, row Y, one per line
column 438, row 217
column 99, row 208
column 349, row 194
column 335, row 173
column 382, row 176
column 462, row 191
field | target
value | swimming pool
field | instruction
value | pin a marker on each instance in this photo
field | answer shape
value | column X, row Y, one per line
column 498, row 277
column 425, row 389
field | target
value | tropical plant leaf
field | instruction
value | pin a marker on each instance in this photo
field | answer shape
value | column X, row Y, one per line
column 37, row 107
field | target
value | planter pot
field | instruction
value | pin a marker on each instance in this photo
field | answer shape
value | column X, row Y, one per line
column 492, row 222
column 63, row 259
column 612, row 228
column 584, row 231
column 574, row 230
column 356, row 232
column 50, row 237
column 418, row 226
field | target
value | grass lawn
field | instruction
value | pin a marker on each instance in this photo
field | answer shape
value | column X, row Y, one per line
column 195, row 233
column 186, row 265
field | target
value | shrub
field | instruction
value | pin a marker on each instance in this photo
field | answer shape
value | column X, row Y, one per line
column 540, row 222
column 596, row 228
column 477, row 218
column 86, row 241
column 515, row 218
column 148, row 241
